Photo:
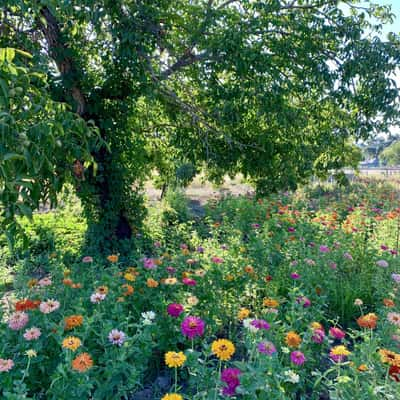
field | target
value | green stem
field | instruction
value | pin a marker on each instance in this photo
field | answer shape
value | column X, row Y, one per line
column 176, row 380
column 26, row 370
column 219, row 376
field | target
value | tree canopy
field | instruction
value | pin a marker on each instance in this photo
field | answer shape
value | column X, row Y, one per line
column 274, row 89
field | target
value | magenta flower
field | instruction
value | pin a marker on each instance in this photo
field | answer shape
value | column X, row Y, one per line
column 230, row 376
column 305, row 301
column 217, row 260
column 192, row 327
column 337, row 333
column 384, row 247
column 324, row 249
column 189, row 282
column 149, row 263
column 318, row 336
column 291, row 229
column 170, row 269
column 295, row 275
column 175, row 309
column 297, row 357
column 266, row 348
column 260, row 324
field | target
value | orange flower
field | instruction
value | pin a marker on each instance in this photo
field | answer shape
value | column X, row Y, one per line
column 73, row 321
column 102, row 290
column 82, row 363
column 71, row 343
column 112, row 258
column 368, row 321
column 270, row 303
column 390, row 357
column 249, row 269
column 67, row 282
column 388, row 302
column 151, row 283
column 26, row 304
column 76, row 285
column 128, row 289
column 293, row 339
column 362, row 368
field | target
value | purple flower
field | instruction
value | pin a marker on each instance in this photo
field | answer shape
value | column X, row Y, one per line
column 183, row 246
column 324, row 249
column 149, row 263
column 200, row 249
column 170, row 269
column 297, row 357
column 192, row 327
column 382, row 263
column 175, row 309
column 291, row 229
column 266, row 348
column 396, row 278
column 117, row 337
column 260, row 324
column 393, row 252
column 384, row 247
column 348, row 256
column 255, row 226
column 230, row 376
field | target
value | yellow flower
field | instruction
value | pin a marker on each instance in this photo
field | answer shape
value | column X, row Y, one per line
column 293, row 339
column 151, row 283
column 71, row 343
column 112, row 258
column 174, row 360
column 316, row 325
column 32, row 282
column 172, row 396
column 242, row 249
column 223, row 349
column 243, row 313
column 270, row 303
column 102, row 290
column 340, row 351
column 31, row 353
column 390, row 357
column 229, row 278
column 130, row 277
column 67, row 272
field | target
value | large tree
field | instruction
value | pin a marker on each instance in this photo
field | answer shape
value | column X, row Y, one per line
column 274, row 89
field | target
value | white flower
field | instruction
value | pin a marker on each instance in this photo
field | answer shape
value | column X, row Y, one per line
column 247, row 325
column 291, row 376
column 97, row 297
column 285, row 350
column 149, row 315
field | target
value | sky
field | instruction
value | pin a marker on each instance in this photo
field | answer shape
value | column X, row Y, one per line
column 395, row 27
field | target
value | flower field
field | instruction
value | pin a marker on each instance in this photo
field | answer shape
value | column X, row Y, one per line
column 294, row 296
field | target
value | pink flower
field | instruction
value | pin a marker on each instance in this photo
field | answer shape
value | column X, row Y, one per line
column 46, row 307
column 87, row 259
column 170, row 269
column 318, row 336
column 305, row 301
column 45, row 282
column 175, row 309
column 217, row 260
column 192, row 327
column 32, row 333
column 297, row 357
column 396, row 278
column 117, row 337
column 18, row 320
column 149, row 263
column 337, row 333
column 231, row 377
column 96, row 298
column 6, row 365
column 189, row 282
column 332, row 265
column 348, row 256
column 295, row 275
column 157, row 244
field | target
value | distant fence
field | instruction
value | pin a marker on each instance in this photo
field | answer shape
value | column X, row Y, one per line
column 374, row 171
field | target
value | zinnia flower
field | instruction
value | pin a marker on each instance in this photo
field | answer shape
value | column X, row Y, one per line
column 113, row 258
column 149, row 263
column 87, row 259
column 367, row 321
column 382, row 263
column 97, row 297
column 45, row 282
column 47, row 307
column 18, row 320
column 293, row 339
column 172, row 396
column 117, row 337
column 6, row 365
column 82, row 363
column 223, row 349
column 32, row 333
column 260, row 324
column 243, row 313
column 396, row 278
column 174, row 360
column 231, row 377
column 192, row 326
column 26, row 304
column 270, row 303
column 175, row 309
column 337, row 333
column 189, row 282
column 73, row 321
column 297, row 357
column 390, row 357
column 71, row 343
column 394, row 318
column 266, row 348
column 339, row 353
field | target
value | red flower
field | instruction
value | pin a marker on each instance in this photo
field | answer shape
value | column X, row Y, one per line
column 394, row 372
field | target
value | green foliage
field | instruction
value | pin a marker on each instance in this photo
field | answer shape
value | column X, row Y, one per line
column 391, row 155
column 271, row 89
